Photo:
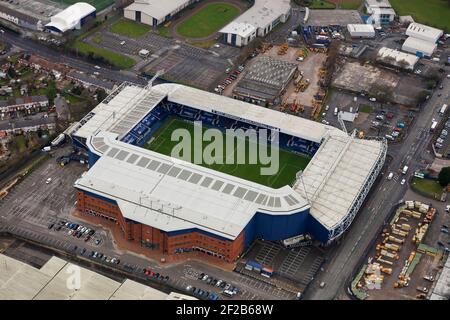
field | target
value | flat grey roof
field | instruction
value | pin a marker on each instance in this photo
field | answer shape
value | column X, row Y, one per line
column 20, row 281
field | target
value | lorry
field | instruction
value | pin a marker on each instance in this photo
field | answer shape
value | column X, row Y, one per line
column 443, row 109
column 433, row 126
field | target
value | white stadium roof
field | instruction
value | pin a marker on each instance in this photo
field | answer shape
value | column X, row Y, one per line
column 423, row 32
column 156, row 8
column 260, row 15
column 71, row 16
column 171, row 195
column 115, row 115
column 334, row 177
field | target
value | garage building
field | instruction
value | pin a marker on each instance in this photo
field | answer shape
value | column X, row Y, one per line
column 361, row 30
column 73, row 17
column 155, row 12
column 257, row 21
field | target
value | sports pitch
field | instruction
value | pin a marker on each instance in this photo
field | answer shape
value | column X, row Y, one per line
column 98, row 4
column 289, row 163
column 207, row 20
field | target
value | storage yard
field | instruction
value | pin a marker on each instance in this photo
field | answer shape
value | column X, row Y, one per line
column 400, row 264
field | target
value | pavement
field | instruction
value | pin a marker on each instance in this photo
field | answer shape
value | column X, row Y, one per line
column 344, row 258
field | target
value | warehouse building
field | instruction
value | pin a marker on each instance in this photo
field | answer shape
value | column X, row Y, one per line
column 55, row 281
column 172, row 207
column 422, row 40
column 155, row 12
column 380, row 11
column 264, row 81
column 73, row 17
column 420, row 48
column 361, row 30
column 19, row 18
column 423, row 32
column 397, row 58
column 257, row 21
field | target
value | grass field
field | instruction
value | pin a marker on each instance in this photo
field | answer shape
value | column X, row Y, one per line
column 427, row 187
column 208, row 20
column 349, row 4
column 98, row 4
column 290, row 163
column 435, row 13
column 321, row 4
column 118, row 60
column 365, row 109
column 130, row 28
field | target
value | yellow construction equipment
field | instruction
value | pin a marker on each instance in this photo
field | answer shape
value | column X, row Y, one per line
column 282, row 50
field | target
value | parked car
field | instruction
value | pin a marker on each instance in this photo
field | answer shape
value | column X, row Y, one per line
column 51, row 225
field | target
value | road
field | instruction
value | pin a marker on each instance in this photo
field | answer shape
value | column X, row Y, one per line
column 29, row 45
column 345, row 257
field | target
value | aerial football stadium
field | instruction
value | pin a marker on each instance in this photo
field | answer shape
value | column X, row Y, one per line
column 175, row 206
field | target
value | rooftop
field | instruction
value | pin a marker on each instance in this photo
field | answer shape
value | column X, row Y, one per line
column 419, row 45
column 20, row 281
column 70, row 17
column 156, row 8
column 334, row 177
column 397, row 58
column 261, row 14
column 378, row 3
column 423, row 32
column 266, row 76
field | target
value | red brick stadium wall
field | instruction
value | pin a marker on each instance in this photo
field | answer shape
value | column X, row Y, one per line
column 155, row 239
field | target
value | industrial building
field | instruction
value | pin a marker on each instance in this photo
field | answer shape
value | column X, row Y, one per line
column 361, row 30
column 264, row 81
column 172, row 206
column 420, row 48
column 380, row 11
column 257, row 21
column 422, row 40
column 155, row 12
column 21, row 281
column 423, row 32
column 28, row 14
column 73, row 17
column 397, row 58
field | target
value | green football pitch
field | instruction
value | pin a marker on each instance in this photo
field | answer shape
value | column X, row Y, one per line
column 289, row 163
column 98, row 4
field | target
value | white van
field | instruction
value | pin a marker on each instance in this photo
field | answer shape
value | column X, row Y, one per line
column 405, row 169
column 336, row 111
column 390, row 176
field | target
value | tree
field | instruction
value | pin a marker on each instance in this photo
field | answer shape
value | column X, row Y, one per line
column 101, row 95
column 444, row 177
